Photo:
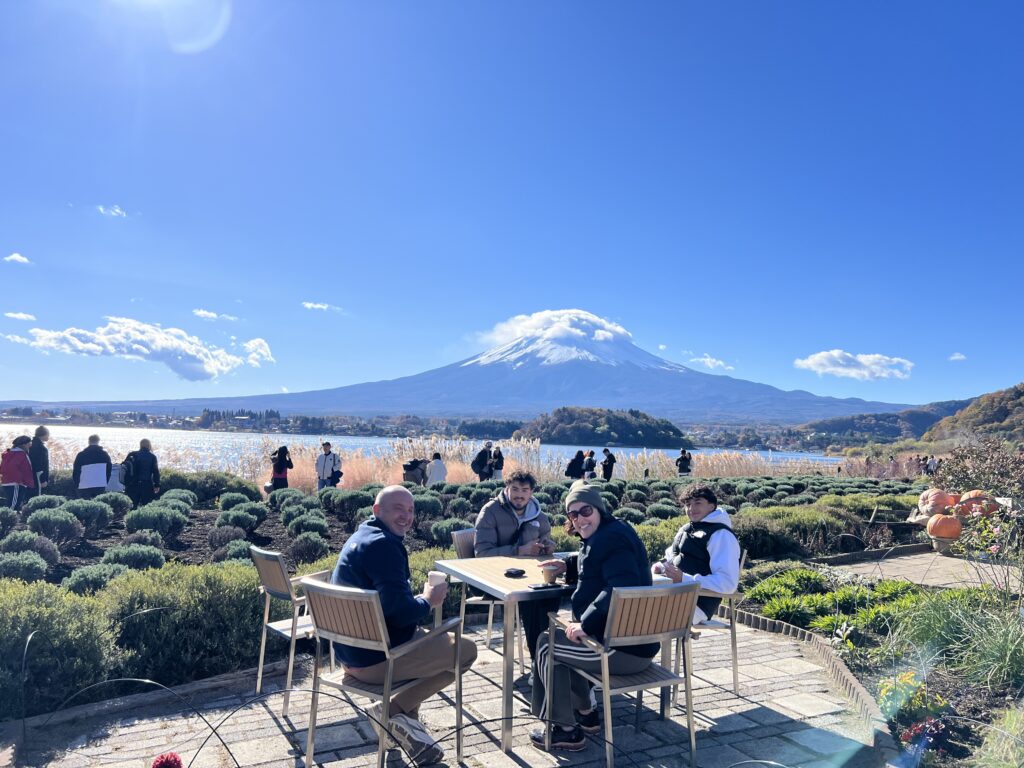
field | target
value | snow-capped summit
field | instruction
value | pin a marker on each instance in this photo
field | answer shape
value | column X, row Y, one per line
column 559, row 336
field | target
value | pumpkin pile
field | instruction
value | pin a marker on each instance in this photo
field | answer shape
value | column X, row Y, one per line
column 946, row 512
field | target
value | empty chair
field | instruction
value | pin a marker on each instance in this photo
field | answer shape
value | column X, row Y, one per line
column 638, row 615
column 464, row 542
column 354, row 617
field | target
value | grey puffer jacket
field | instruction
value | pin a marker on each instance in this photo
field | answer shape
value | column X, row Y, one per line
column 500, row 531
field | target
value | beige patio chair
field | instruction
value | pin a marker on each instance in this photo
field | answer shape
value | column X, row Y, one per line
column 637, row 615
column 354, row 617
column 716, row 626
column 275, row 582
column 465, row 547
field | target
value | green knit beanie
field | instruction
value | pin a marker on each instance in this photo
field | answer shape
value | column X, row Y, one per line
column 583, row 491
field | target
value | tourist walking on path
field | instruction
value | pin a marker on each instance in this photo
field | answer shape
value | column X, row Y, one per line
column 16, row 472
column 684, row 463
column 375, row 557
column 281, row 462
column 91, row 471
column 611, row 555
column 482, row 462
column 607, row 465
column 437, row 472
column 590, row 466
column 328, row 468
column 141, row 473
column 39, row 455
column 497, row 463
column 574, row 470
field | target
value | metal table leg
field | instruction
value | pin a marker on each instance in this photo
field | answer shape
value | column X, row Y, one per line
column 508, row 652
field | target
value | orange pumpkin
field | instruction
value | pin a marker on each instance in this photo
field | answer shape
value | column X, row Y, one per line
column 976, row 502
column 954, row 499
column 934, row 502
column 944, row 527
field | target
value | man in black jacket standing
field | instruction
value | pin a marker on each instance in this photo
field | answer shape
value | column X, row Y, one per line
column 91, row 471
column 39, row 455
column 141, row 474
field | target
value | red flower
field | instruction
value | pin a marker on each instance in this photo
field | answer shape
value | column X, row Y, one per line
column 169, row 760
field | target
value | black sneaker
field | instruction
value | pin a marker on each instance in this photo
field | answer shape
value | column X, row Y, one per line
column 590, row 722
column 570, row 741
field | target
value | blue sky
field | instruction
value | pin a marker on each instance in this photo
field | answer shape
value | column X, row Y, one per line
column 358, row 191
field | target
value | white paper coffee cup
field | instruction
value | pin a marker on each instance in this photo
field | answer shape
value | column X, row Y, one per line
column 435, row 577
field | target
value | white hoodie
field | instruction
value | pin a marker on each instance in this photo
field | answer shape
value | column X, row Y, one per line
column 724, row 550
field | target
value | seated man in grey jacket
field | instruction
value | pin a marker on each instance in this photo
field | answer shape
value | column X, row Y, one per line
column 512, row 523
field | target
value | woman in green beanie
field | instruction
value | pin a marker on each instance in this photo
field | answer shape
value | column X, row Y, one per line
column 611, row 555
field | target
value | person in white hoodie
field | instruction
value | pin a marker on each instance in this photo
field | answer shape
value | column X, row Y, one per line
column 328, row 468
column 705, row 549
column 437, row 472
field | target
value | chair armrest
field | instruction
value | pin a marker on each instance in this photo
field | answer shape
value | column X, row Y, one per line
column 316, row 575
column 588, row 641
column 446, row 626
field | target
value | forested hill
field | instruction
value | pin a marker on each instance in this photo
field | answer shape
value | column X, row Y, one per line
column 600, row 427
column 886, row 427
column 997, row 414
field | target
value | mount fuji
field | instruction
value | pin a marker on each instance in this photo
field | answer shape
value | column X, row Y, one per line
column 540, row 362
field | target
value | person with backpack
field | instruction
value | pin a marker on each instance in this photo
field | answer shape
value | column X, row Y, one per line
column 608, row 465
column 497, row 463
column 328, row 468
column 281, row 462
column 574, row 469
column 684, row 462
column 140, row 474
column 16, row 474
column 482, row 462
column 589, row 466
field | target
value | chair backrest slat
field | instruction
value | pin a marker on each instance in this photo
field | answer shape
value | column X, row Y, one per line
column 272, row 573
column 651, row 613
column 347, row 615
column 465, row 543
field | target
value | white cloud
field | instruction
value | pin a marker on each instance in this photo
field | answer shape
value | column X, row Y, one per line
column 186, row 355
column 17, row 258
column 321, row 306
column 19, row 316
column 554, row 324
column 662, row 347
column 956, row 357
column 284, row 389
column 13, row 337
column 115, row 211
column 838, row 362
column 711, row 362
column 259, row 352
column 206, row 314
column 685, row 352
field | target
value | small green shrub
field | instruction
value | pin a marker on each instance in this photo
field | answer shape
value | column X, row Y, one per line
column 633, row 516
column 804, row 581
column 829, row 623
column 441, row 531
column 177, row 505
column 755, row 574
column 181, row 494
column 8, row 519
column 236, row 519
column 207, row 486
column 277, row 498
column 233, row 550
column 165, row 521
column 479, row 497
column 850, row 598
column 78, row 649
column 145, row 536
column 257, row 509
column 308, row 546
column 764, row 538
column 42, row 502
column 635, row 494
column 119, row 503
column 25, row 566
column 890, row 589
column 92, row 578
column 611, row 501
column 657, row 538
column 423, row 561
column 228, row 500
column 344, row 504
column 790, row 609
column 219, row 537
column 26, row 541
column 769, row 589
column 818, row 604
column 428, row 507
column 882, row 617
column 663, row 511
column 308, row 522
column 459, row 507
column 293, row 511
column 555, row 491
column 93, row 515
column 59, row 526
column 135, row 556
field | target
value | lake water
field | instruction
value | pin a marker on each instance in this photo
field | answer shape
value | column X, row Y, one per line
column 222, row 449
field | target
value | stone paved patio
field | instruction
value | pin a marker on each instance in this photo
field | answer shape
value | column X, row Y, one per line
column 935, row 570
column 788, row 712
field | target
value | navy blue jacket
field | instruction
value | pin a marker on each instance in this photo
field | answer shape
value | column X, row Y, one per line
column 375, row 558
column 613, row 557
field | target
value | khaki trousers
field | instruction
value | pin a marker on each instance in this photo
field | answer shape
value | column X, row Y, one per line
column 431, row 665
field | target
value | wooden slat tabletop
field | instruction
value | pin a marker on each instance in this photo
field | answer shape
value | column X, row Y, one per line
column 488, row 575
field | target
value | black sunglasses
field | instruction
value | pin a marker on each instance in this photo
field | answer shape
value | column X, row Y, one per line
column 584, row 511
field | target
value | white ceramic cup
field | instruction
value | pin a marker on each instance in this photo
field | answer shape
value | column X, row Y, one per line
column 435, row 577
column 550, row 573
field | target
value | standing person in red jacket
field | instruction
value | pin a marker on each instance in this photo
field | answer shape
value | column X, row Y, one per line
column 16, row 474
